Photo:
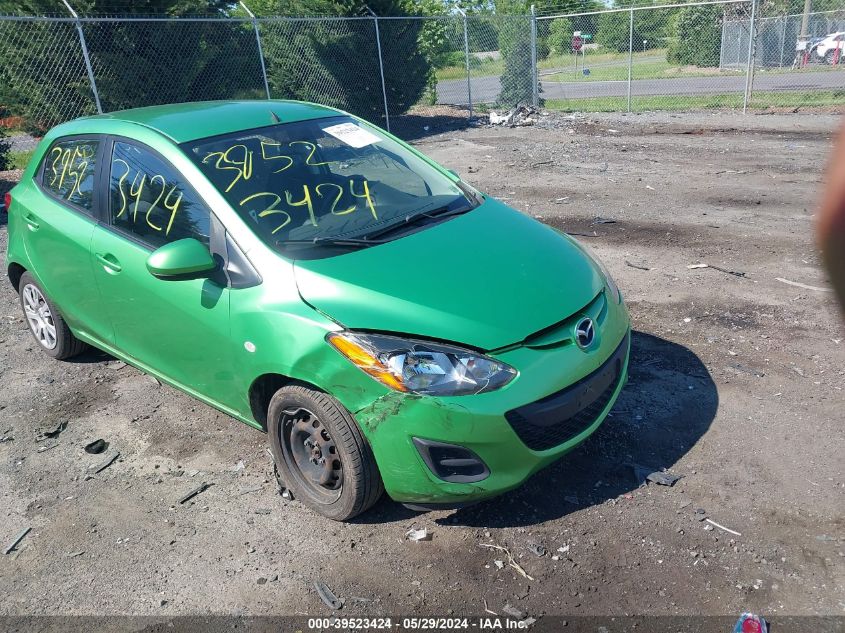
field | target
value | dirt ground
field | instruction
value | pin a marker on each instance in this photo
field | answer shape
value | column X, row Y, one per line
column 736, row 385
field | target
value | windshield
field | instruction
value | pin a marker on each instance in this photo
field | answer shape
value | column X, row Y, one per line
column 325, row 179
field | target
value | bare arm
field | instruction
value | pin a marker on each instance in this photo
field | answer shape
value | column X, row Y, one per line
column 830, row 225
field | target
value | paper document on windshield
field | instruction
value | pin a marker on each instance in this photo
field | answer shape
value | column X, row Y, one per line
column 352, row 135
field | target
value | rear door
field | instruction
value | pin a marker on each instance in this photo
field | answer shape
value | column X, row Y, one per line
column 59, row 217
column 179, row 329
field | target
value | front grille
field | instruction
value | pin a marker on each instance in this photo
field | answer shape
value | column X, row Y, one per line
column 558, row 418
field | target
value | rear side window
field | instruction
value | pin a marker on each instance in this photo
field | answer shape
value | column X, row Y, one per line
column 148, row 198
column 69, row 171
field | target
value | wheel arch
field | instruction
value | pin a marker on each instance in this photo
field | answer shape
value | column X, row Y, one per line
column 262, row 390
column 15, row 271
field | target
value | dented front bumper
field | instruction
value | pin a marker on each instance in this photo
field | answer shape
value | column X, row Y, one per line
column 479, row 424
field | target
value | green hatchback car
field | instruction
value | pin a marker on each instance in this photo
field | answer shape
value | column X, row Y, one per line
column 389, row 327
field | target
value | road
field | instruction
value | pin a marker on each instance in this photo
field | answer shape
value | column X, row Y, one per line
column 486, row 89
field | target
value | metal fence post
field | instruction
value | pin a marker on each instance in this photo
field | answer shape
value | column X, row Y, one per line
column 260, row 50
column 630, row 53
column 535, row 77
column 87, row 58
column 749, row 68
column 466, row 57
column 380, row 68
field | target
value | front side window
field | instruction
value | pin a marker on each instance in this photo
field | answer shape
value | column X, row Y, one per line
column 69, row 171
column 325, row 179
column 150, row 200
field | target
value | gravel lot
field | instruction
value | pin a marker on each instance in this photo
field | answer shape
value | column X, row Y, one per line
column 736, row 384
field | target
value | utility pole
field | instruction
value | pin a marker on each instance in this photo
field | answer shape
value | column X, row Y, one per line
column 805, row 21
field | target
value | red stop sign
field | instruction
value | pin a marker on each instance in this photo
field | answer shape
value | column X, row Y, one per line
column 577, row 43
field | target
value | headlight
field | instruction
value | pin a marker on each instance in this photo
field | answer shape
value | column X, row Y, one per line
column 611, row 284
column 421, row 367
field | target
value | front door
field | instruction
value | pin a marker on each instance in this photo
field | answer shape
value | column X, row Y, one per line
column 177, row 328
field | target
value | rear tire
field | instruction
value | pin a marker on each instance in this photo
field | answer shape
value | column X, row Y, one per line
column 321, row 454
column 46, row 324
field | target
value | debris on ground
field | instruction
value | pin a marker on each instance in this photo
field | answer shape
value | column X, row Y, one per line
column 96, row 447
column 46, row 448
column 327, row 596
column 600, row 220
column 74, row 554
column 511, row 560
column 487, row 608
column 108, row 461
column 45, row 435
column 627, row 263
column 750, row 623
column 735, row 273
column 537, row 549
column 800, row 285
column 418, row 534
column 641, row 473
column 513, row 612
column 202, row 488
column 519, row 116
column 115, row 365
column 6, row 438
column 246, row 491
column 722, row 527
column 499, row 564
column 663, row 478
column 238, row 467
column 17, row 540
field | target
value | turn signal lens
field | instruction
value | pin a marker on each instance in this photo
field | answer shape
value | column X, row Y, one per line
column 365, row 361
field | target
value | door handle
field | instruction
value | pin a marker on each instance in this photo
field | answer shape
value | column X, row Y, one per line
column 31, row 222
column 109, row 262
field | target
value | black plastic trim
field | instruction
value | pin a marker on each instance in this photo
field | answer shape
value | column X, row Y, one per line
column 467, row 459
column 561, row 416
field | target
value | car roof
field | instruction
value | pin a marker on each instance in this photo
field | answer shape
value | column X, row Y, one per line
column 183, row 122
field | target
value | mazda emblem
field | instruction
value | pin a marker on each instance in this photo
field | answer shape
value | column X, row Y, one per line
column 585, row 332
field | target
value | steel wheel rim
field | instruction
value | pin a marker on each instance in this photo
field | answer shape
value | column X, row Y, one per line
column 311, row 454
column 39, row 316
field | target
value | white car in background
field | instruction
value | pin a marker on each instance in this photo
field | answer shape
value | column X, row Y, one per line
column 826, row 49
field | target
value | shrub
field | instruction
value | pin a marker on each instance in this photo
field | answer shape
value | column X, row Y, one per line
column 560, row 36
column 696, row 36
column 4, row 151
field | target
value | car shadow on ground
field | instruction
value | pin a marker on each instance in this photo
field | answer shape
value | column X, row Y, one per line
column 668, row 404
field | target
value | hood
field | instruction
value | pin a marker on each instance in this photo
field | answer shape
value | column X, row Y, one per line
column 487, row 279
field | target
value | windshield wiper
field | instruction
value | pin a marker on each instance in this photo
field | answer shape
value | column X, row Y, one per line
column 331, row 241
column 410, row 220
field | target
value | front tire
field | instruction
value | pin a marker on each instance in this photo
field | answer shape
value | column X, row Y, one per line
column 46, row 324
column 321, row 454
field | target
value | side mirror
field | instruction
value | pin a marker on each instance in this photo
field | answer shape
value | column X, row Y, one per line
column 181, row 259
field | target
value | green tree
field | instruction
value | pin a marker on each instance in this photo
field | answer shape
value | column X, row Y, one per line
column 560, row 36
column 696, row 38
column 514, row 26
column 650, row 30
column 337, row 62
column 43, row 76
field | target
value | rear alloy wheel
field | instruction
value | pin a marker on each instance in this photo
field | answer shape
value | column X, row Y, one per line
column 320, row 453
column 46, row 324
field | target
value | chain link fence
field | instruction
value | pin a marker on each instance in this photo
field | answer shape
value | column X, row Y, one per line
column 413, row 74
